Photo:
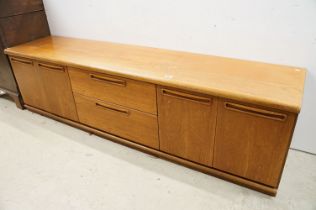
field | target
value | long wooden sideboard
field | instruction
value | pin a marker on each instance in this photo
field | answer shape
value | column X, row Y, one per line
column 230, row 118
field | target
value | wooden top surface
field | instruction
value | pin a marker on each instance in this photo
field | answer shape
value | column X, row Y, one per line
column 264, row 84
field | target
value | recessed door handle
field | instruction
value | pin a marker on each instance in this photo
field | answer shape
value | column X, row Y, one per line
column 115, row 109
column 109, row 80
column 255, row 111
column 186, row 96
column 18, row 60
column 51, row 67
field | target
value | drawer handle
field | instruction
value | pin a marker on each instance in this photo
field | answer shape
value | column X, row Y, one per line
column 108, row 80
column 51, row 67
column 255, row 111
column 112, row 108
column 17, row 60
column 186, row 96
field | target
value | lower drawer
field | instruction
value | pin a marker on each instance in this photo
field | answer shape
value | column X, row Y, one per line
column 127, row 123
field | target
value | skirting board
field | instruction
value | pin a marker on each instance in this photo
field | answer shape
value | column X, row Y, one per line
column 211, row 171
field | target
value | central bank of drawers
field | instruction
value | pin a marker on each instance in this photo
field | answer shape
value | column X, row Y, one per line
column 117, row 105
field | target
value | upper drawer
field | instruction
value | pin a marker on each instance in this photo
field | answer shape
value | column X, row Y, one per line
column 129, row 93
column 15, row 7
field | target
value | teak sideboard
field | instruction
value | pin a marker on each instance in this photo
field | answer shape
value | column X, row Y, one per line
column 230, row 118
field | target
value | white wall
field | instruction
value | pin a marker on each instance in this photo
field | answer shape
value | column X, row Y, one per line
column 282, row 32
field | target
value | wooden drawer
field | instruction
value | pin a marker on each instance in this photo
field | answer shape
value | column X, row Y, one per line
column 16, row 7
column 129, row 93
column 127, row 123
column 23, row 28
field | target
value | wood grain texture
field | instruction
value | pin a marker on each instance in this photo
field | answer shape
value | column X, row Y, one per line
column 29, row 81
column 264, row 84
column 118, row 120
column 130, row 93
column 212, row 171
column 16, row 7
column 23, row 28
column 245, row 136
column 187, row 125
column 45, row 86
column 252, row 142
column 58, row 94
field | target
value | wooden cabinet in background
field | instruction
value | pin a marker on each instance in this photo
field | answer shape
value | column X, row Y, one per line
column 24, row 28
column 17, row 7
column 187, row 125
column 7, row 80
column 252, row 141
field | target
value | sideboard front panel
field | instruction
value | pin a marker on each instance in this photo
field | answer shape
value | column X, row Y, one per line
column 30, row 84
column 251, row 141
column 187, row 125
column 57, row 89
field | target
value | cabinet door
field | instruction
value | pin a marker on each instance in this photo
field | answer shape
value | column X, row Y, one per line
column 58, row 91
column 252, row 142
column 29, row 82
column 186, row 125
